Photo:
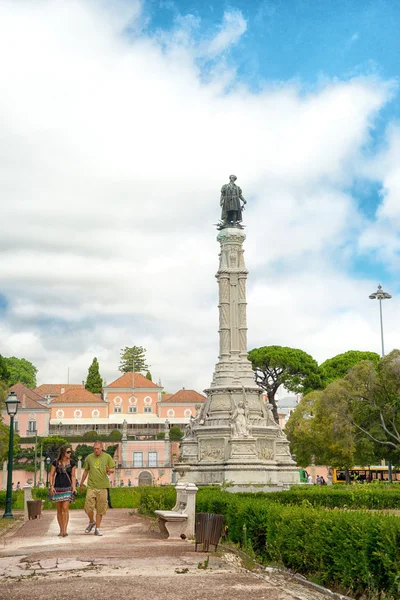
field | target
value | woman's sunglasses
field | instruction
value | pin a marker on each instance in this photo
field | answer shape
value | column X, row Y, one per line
column 68, row 451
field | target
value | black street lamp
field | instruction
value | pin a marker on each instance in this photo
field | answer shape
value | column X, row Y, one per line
column 48, row 461
column 12, row 403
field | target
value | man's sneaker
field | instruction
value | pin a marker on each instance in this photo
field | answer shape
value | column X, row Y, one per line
column 97, row 532
column 90, row 527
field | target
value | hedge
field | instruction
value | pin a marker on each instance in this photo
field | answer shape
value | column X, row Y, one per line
column 369, row 496
column 126, row 497
column 357, row 552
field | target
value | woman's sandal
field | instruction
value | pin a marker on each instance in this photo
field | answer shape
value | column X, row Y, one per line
column 65, row 535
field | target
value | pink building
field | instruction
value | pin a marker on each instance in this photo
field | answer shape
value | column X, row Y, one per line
column 76, row 411
column 33, row 417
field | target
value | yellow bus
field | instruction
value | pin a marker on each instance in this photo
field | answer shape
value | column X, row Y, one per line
column 365, row 474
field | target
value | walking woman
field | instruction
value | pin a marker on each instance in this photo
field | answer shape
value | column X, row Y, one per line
column 63, row 486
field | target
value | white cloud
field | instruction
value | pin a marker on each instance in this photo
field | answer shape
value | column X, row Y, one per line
column 113, row 151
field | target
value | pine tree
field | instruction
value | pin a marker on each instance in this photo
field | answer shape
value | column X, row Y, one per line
column 133, row 357
column 94, row 382
column 148, row 376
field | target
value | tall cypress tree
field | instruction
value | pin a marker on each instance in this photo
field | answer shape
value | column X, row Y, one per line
column 94, row 382
column 148, row 376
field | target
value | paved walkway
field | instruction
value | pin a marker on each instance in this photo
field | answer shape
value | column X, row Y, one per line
column 132, row 560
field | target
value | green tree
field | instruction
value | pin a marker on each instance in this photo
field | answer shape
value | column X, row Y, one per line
column 375, row 401
column 115, row 435
column 5, row 440
column 133, row 357
column 338, row 366
column 148, row 376
column 321, row 426
column 21, row 370
column 50, row 446
column 82, row 450
column 274, row 366
column 175, row 434
column 4, row 372
column 94, row 382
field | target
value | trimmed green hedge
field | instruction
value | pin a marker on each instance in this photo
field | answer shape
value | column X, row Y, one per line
column 368, row 496
column 126, row 497
column 357, row 552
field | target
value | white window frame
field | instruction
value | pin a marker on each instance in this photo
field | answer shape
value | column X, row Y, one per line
column 147, row 409
column 152, row 458
column 137, row 458
column 132, row 409
column 118, row 409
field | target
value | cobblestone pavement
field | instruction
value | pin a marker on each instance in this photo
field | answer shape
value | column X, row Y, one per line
column 131, row 560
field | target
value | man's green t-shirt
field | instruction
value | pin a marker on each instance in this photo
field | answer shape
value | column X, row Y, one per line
column 96, row 467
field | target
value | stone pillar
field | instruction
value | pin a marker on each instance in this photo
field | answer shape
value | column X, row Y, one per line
column 167, row 446
column 79, row 470
column 41, row 482
column 5, row 464
column 191, row 491
column 27, row 496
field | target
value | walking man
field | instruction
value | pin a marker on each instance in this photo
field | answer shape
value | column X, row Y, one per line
column 98, row 466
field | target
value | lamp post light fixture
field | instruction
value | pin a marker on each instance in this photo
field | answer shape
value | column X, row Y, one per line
column 48, row 461
column 12, row 403
column 380, row 295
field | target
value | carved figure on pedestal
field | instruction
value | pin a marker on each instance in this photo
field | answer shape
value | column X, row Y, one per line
column 269, row 417
column 189, row 429
column 240, row 426
column 231, row 196
column 124, row 429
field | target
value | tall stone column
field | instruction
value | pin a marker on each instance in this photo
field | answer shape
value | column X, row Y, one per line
column 233, row 367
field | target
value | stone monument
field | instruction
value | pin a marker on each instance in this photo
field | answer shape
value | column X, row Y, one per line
column 234, row 438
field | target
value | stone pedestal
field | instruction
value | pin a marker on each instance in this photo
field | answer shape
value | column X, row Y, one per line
column 234, row 438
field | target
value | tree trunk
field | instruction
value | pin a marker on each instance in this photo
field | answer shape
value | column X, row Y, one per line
column 271, row 400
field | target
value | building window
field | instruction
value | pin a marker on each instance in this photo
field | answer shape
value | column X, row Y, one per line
column 138, row 459
column 147, row 409
column 16, row 426
column 152, row 459
column 117, row 409
column 132, row 409
column 32, row 426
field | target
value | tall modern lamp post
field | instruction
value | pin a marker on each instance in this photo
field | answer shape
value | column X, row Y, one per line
column 12, row 403
column 380, row 295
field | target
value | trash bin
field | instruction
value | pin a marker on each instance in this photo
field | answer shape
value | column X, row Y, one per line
column 208, row 530
column 34, row 508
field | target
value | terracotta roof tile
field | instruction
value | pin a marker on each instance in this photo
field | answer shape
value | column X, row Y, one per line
column 54, row 389
column 189, row 396
column 26, row 396
column 77, row 396
column 125, row 381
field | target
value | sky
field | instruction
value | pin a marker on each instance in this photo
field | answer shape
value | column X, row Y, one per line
column 119, row 123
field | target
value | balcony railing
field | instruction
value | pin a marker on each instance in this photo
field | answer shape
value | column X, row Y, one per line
column 31, row 432
column 144, row 465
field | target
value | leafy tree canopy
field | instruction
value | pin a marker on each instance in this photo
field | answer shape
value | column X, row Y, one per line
column 338, row 366
column 148, row 376
column 94, row 382
column 133, row 357
column 22, row 370
column 50, row 446
column 175, row 434
column 274, row 366
column 5, row 440
column 4, row 372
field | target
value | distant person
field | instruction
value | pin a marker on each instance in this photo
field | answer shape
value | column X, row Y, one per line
column 121, row 484
column 98, row 466
column 318, row 480
column 309, row 480
column 322, row 480
column 18, row 485
column 129, row 483
column 62, row 480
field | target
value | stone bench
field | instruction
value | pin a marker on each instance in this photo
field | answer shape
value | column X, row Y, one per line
column 179, row 522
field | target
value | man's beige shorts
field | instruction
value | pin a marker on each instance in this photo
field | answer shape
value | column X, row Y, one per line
column 96, row 500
